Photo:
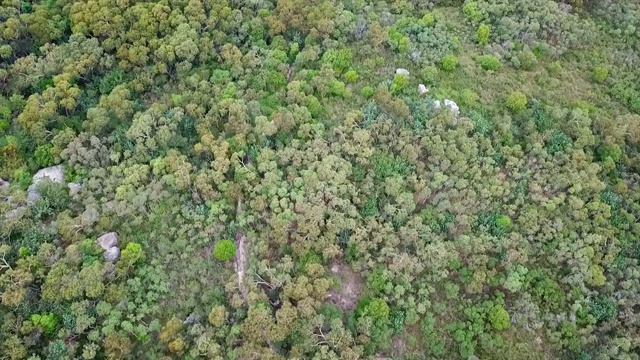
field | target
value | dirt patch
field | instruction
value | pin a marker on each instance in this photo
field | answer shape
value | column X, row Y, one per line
column 348, row 292
column 241, row 258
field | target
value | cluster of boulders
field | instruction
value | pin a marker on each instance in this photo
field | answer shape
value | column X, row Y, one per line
column 437, row 104
column 109, row 243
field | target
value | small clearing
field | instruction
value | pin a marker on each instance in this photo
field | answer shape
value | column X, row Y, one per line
column 348, row 293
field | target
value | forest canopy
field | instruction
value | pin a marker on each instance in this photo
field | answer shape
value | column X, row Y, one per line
column 290, row 179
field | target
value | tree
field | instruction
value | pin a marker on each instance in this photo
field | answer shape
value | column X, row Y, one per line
column 225, row 250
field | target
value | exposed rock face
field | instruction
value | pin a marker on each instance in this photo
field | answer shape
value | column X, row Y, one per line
column 54, row 173
column 108, row 240
column 4, row 185
column 402, row 71
column 422, row 89
column 192, row 319
column 112, row 255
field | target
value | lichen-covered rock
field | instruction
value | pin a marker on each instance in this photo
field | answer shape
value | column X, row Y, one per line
column 108, row 240
column 112, row 254
column 402, row 71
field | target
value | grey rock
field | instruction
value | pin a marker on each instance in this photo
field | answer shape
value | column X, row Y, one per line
column 74, row 188
column 402, row 71
column 108, row 240
column 192, row 319
column 422, row 89
column 112, row 254
column 109, row 269
column 16, row 213
column 91, row 216
column 4, row 185
column 54, row 173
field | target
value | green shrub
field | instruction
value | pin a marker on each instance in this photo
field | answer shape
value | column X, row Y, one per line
column 428, row 19
column 489, row 62
column 340, row 60
column 517, row 101
column 22, row 177
column 132, row 253
column 468, row 98
column 499, row 317
column 482, row 125
column 399, row 83
column 367, row 92
column 472, row 12
column 429, row 74
column 527, row 60
column 600, row 74
column 554, row 67
column 559, row 142
column 449, row 63
column 339, row 89
column 612, row 151
column 46, row 322
column 225, row 250
column 482, row 34
column 351, row 76
column 43, row 155
column 4, row 125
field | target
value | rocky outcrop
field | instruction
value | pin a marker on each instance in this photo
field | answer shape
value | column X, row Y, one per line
column 54, row 173
column 108, row 240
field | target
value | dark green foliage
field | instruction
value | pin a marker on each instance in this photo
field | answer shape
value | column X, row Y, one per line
column 612, row 151
column 385, row 165
column 54, row 198
column 542, row 118
column 604, row 309
column 370, row 207
column 558, row 142
column 43, row 156
column 497, row 224
column 482, row 125
column 340, row 60
column 397, row 321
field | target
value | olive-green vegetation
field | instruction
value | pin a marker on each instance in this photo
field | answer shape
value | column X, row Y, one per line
column 279, row 190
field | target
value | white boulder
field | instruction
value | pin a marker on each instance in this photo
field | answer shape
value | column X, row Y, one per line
column 402, row 71
column 453, row 107
column 422, row 89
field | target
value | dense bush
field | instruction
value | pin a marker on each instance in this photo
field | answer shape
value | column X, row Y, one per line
column 489, row 62
column 517, row 101
column 225, row 250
